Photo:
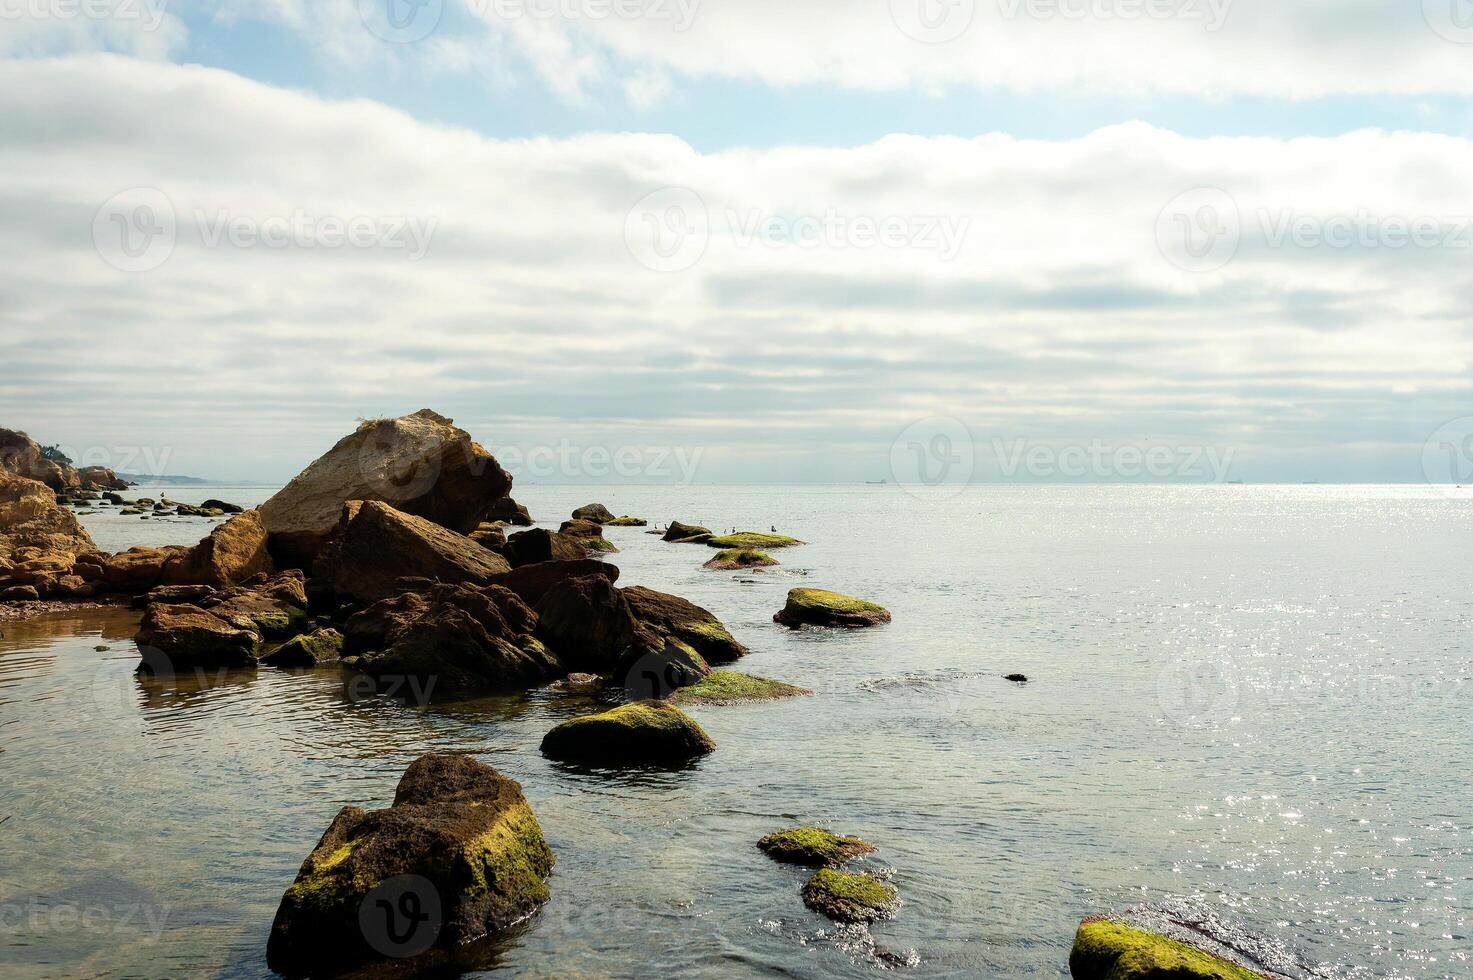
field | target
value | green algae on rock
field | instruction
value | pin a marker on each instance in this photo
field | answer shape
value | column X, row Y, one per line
column 813, row 847
column 1106, row 950
column 631, row 734
column 627, row 521
column 307, row 650
column 673, row 616
column 687, row 533
column 735, row 559
column 819, row 607
column 753, row 539
column 847, row 898
column 731, row 687
column 459, row 838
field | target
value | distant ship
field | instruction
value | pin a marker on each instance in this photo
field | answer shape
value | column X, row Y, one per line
column 873, row 483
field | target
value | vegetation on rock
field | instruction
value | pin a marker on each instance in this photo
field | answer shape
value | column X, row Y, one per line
column 846, row 897
column 631, row 734
column 813, row 847
column 1106, row 950
column 730, row 687
column 819, row 607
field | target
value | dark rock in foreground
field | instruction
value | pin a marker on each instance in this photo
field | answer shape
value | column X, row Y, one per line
column 588, row 622
column 222, row 628
column 645, row 732
column 458, row 857
column 813, row 847
column 818, row 607
column 848, row 898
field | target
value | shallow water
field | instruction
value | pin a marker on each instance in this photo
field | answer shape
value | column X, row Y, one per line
column 1247, row 701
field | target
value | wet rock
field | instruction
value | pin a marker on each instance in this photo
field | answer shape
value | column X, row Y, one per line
column 1017, row 678
column 627, row 521
column 587, row 622
column 539, row 544
column 222, row 506
column 275, row 606
column 375, row 545
column 654, row 668
column 683, row 620
column 307, row 650
column 818, row 607
column 420, row 464
column 591, row 536
column 736, row 559
column 532, row 582
column 187, row 635
column 175, row 594
column 723, row 687
column 846, row 897
column 578, row 684
column 1106, row 950
column 753, row 539
column 687, row 533
column 460, row 850
column 596, row 513
column 645, row 732
column 813, row 847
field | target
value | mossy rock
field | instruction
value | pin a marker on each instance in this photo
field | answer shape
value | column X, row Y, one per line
column 735, row 559
column 731, row 687
column 645, row 732
column 687, row 533
column 753, row 539
column 459, row 840
column 680, row 619
column 819, row 607
column 844, row 897
column 1106, row 950
column 655, row 668
column 813, row 847
column 599, row 545
column 307, row 650
column 627, row 521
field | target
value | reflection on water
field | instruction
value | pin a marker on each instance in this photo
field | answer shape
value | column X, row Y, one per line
column 1230, row 708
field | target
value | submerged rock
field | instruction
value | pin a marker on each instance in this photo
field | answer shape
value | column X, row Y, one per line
column 421, row 464
column 813, row 847
column 1017, row 678
column 458, row 857
column 729, row 687
column 1106, row 950
column 308, row 650
column 672, row 616
column 375, row 545
column 632, row 734
column 846, row 897
column 753, row 539
column 627, row 521
column 735, row 559
column 597, row 513
column 687, row 533
column 819, row 607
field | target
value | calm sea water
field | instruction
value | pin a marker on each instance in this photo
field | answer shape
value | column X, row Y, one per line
column 1248, row 701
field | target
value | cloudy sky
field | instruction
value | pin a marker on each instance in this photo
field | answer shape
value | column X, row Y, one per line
column 745, row 240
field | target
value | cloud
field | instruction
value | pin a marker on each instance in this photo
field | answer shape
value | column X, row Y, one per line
column 1263, row 294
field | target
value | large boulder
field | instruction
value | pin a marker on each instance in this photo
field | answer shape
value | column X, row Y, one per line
column 644, row 732
column 460, row 851
column 421, row 464
column 539, row 544
column 224, row 627
column 100, row 478
column 532, row 582
column 597, row 513
column 683, row 620
column 31, row 518
column 450, row 640
column 587, row 622
column 20, row 455
column 234, row 552
column 375, row 545
column 1108, row 950
column 138, row 570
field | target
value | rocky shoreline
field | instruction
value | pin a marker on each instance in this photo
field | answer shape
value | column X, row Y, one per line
column 393, row 558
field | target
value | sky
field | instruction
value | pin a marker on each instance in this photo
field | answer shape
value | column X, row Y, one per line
column 746, row 241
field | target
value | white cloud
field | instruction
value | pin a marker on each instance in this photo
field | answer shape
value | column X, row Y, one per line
column 1033, row 288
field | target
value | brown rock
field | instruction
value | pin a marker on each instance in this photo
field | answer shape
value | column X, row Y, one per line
column 596, row 513
column 587, row 622
column 137, row 570
column 532, row 582
column 31, row 519
column 582, row 528
column 683, row 620
column 172, row 636
column 20, row 593
column 421, row 464
column 100, row 478
column 508, row 510
column 21, row 456
column 233, row 553
column 539, row 544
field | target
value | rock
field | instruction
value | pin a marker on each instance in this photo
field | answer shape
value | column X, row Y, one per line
column 233, row 553
column 188, row 636
column 31, row 518
column 817, row 607
column 735, row 559
column 490, row 536
column 1017, row 678
column 596, row 513
column 581, row 529
column 21, row 456
column 578, row 684
column 275, row 606
column 656, row 668
column 308, row 650
column 192, row 594
column 587, row 622
column 631, row 734
column 460, row 845
column 1105, row 950
column 100, row 478
column 138, row 570
column 813, row 847
column 627, row 521
column 421, row 464
column 687, row 533
column 374, row 545
column 450, row 640
column 114, row 498
column 753, row 539
column 532, row 582
column 222, row 506
column 20, row 593
column 681, row 619
column 538, row 544
column 508, row 510
column 722, row 687
column 847, row 898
